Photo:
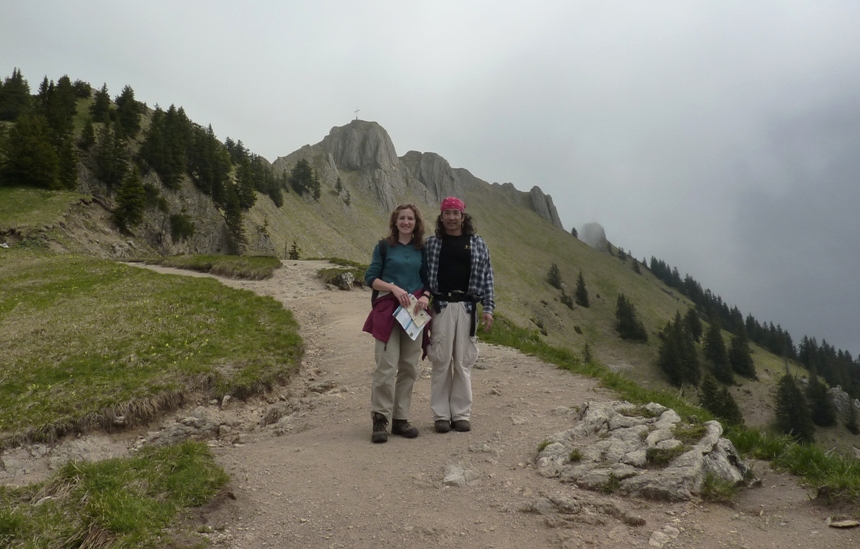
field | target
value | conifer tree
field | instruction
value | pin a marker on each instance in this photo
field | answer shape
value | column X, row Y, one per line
column 709, row 395
column 30, row 157
column 730, row 413
column 303, row 180
column 233, row 219
column 677, row 356
column 14, row 96
column 627, row 324
column 88, row 136
column 128, row 112
column 792, row 412
column 111, row 157
column 68, row 164
column 574, row 232
column 581, row 294
column 130, row 201
column 636, row 268
column 100, row 109
column 820, row 407
column 694, row 324
column 740, row 355
column 553, row 276
column 715, row 353
column 338, row 186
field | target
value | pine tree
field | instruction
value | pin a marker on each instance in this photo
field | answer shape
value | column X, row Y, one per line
column 111, row 157
column 709, row 396
column 677, row 356
column 31, row 159
column 68, row 164
column 100, row 109
column 715, row 353
column 303, row 180
column 574, row 232
column 669, row 357
column 627, row 324
column 338, row 186
column 233, row 218
column 792, row 413
column 694, row 324
column 740, row 355
column 553, row 276
column 14, row 96
column 729, row 411
column 636, row 268
column 88, row 136
column 581, row 293
column 128, row 112
column 820, row 407
column 130, row 201
column 294, row 251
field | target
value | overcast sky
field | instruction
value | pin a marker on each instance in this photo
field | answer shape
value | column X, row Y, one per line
column 721, row 137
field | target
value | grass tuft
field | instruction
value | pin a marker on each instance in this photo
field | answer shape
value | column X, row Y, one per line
column 662, row 457
column 717, row 490
column 125, row 502
column 231, row 266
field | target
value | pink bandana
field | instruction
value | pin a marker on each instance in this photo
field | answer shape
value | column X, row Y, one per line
column 453, row 203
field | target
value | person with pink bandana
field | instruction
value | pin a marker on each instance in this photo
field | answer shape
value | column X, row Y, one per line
column 460, row 276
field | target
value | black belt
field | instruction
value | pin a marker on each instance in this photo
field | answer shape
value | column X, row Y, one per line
column 459, row 297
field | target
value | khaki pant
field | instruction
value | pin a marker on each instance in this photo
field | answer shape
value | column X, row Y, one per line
column 453, row 353
column 395, row 374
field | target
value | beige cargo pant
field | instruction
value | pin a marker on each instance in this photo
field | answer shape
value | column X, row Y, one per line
column 395, row 374
column 453, row 353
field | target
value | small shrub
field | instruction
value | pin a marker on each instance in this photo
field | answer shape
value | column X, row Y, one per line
column 181, row 227
column 294, row 251
column 611, row 485
column 690, row 434
column 662, row 457
column 542, row 446
column 717, row 490
column 575, row 455
column 637, row 411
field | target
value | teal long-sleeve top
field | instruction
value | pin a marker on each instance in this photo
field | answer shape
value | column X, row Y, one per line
column 405, row 267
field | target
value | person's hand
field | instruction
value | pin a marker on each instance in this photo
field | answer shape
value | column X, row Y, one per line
column 488, row 321
column 401, row 295
column 421, row 304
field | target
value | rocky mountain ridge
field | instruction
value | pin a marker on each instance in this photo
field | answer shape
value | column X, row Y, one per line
column 367, row 149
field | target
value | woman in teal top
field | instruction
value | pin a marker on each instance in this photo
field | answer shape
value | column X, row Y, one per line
column 397, row 270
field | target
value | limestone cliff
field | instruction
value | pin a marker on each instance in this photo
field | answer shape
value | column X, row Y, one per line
column 542, row 204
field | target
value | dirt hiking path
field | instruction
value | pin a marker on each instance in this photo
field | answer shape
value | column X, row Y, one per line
column 322, row 483
column 313, row 479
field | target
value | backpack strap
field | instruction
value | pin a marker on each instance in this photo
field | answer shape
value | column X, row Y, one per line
column 383, row 251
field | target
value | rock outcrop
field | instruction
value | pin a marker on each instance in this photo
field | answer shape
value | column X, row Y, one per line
column 542, row 204
column 645, row 451
column 434, row 173
column 594, row 235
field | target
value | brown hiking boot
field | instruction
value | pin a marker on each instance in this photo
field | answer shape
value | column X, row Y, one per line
column 442, row 425
column 379, row 425
column 401, row 427
column 461, row 425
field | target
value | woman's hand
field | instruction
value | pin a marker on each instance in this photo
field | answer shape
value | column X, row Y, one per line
column 422, row 303
column 401, row 295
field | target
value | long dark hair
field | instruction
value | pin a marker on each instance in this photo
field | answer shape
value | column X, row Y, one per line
column 468, row 226
column 393, row 237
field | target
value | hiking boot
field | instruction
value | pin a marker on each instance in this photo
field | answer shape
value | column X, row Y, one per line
column 401, row 427
column 442, row 425
column 461, row 425
column 379, row 425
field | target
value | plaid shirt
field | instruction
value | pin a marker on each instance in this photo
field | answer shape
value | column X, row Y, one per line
column 480, row 275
